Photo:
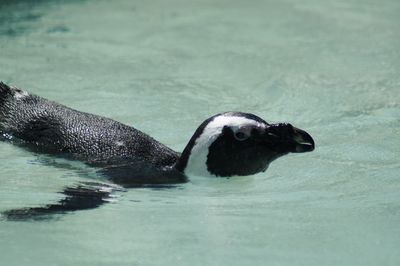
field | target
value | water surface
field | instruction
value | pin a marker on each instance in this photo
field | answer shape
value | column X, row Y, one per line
column 331, row 68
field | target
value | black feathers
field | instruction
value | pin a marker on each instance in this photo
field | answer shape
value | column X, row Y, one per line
column 5, row 92
column 48, row 127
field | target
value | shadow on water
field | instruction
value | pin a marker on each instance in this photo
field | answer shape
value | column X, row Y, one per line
column 17, row 16
column 107, row 182
column 82, row 196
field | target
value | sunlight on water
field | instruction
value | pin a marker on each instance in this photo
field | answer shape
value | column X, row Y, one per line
column 330, row 67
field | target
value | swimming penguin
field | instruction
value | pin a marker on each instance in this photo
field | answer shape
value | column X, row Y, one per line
column 224, row 145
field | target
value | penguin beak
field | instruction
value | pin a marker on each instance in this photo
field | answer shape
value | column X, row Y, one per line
column 287, row 138
column 303, row 141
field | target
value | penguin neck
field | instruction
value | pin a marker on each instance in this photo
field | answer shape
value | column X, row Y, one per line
column 182, row 161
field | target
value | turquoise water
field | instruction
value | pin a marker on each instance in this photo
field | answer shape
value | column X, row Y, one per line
column 330, row 67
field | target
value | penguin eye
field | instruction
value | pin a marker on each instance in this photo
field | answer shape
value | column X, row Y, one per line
column 241, row 136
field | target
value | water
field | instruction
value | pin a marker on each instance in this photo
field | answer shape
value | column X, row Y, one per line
column 330, row 67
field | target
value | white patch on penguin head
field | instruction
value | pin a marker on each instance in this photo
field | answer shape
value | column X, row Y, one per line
column 239, row 124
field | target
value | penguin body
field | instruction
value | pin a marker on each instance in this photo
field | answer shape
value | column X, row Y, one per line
column 226, row 144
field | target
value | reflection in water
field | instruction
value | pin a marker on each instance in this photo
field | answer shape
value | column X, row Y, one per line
column 90, row 195
column 84, row 196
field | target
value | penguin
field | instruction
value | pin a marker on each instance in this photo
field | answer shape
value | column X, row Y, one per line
column 224, row 145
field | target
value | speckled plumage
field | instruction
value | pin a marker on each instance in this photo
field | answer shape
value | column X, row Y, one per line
column 49, row 127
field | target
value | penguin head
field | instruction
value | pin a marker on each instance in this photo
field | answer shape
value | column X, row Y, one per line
column 239, row 144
